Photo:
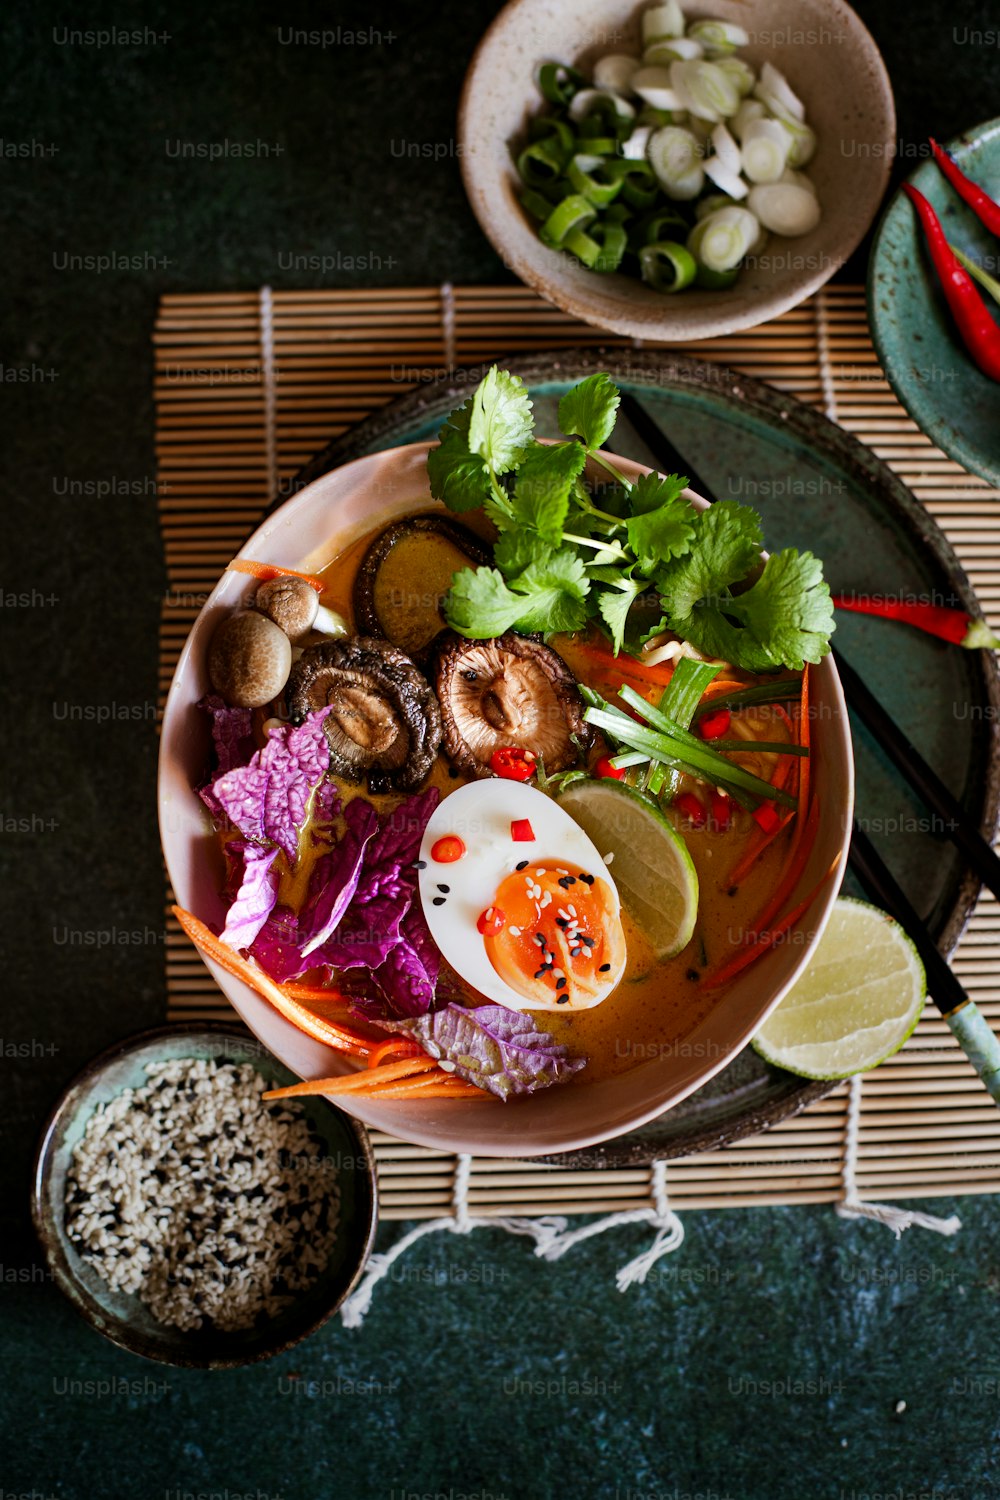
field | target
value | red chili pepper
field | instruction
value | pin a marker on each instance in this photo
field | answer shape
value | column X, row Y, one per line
column 766, row 816
column 522, row 832
column 491, row 921
column 691, row 808
column 721, row 811
column 605, row 769
column 513, row 763
column 980, row 333
column 986, row 208
column 715, row 725
column 448, row 849
column 936, row 619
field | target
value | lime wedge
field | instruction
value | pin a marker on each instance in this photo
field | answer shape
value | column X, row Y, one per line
column 650, row 864
column 855, row 1003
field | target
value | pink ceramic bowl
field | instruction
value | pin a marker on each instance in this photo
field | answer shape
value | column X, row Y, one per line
column 305, row 533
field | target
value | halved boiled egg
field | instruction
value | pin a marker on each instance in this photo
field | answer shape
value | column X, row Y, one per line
column 519, row 900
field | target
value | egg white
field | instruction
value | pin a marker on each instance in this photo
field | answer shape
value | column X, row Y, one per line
column 481, row 814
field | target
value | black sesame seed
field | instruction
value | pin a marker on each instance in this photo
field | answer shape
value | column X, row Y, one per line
column 562, row 999
column 587, row 879
column 446, row 889
column 540, row 939
column 604, row 969
column 566, row 881
column 438, row 901
column 562, row 921
column 420, row 864
column 561, row 982
column 588, row 940
column 540, row 973
column 454, row 772
column 693, row 975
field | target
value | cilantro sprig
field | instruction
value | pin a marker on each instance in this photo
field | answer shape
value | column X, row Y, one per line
column 640, row 562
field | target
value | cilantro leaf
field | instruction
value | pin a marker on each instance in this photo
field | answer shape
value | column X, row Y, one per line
column 549, row 595
column 725, row 545
column 590, row 410
column 555, row 591
column 662, row 522
column 516, row 550
column 789, row 609
column 500, row 424
column 614, row 605
column 458, row 477
column 542, row 488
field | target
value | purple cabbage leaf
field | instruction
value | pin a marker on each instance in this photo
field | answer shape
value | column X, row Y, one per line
column 501, row 1050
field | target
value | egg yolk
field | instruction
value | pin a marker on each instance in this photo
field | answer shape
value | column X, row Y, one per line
column 561, row 939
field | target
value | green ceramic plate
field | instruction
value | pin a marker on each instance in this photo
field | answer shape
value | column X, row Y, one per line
column 921, row 352
column 818, row 487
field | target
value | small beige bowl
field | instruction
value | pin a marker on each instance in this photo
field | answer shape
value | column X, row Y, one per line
column 831, row 62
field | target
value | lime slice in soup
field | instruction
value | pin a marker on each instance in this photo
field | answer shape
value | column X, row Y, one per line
column 856, row 1002
column 650, row 863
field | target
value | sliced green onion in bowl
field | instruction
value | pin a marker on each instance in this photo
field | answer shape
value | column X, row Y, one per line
column 654, row 87
column 600, row 246
column 675, row 157
column 588, row 103
column 785, row 207
column 776, row 93
column 749, row 110
column 705, row 90
column 574, row 212
column 716, row 281
column 802, row 141
column 738, row 72
column 667, row 266
column 583, row 173
column 662, row 21
column 718, row 38
column 721, row 240
column 557, row 83
column 615, row 72
column 541, row 163
column 673, row 49
column 764, row 151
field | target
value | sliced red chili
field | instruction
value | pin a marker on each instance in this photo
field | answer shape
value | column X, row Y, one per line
column 606, row 769
column 766, row 816
column 691, row 807
column 714, row 725
column 448, row 849
column 721, row 811
column 513, row 763
column 521, row 831
column 491, row 921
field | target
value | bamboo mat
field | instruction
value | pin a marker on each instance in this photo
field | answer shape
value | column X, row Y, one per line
column 228, row 439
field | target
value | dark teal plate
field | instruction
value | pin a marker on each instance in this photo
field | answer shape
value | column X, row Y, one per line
column 918, row 344
column 815, row 487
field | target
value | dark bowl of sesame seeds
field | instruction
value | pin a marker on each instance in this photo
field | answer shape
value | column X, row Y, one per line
column 187, row 1219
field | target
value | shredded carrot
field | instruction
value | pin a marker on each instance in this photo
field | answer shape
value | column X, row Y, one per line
column 313, row 994
column 404, row 1045
column 266, row 571
column 320, row 1029
column 436, row 1085
column 364, row 1082
column 766, row 938
column 626, row 666
column 756, row 848
column 804, row 739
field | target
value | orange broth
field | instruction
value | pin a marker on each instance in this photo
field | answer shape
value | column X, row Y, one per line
column 658, row 1003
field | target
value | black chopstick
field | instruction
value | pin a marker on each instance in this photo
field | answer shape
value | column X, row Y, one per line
column 956, row 821
column 881, row 885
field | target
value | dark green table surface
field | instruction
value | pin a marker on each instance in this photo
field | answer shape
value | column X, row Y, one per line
column 772, row 1356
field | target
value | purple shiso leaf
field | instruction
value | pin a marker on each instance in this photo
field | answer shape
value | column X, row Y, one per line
column 341, row 871
column 268, row 799
column 255, row 898
column 501, row 1050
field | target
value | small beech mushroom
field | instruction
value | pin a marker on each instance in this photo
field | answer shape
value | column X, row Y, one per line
column 249, row 659
column 294, row 607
